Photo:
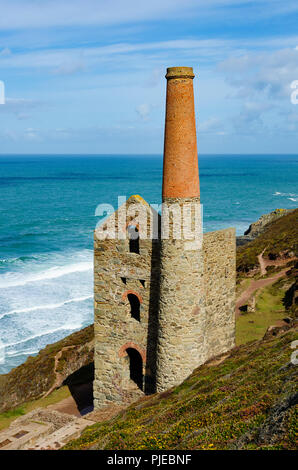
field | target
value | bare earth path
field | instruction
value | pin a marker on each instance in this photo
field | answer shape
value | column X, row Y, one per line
column 245, row 296
column 67, row 405
column 254, row 285
column 58, row 379
column 262, row 263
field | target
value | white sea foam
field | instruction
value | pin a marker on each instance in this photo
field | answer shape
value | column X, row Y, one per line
column 43, row 300
column 14, row 280
column 285, row 194
column 289, row 196
column 45, row 333
column 21, row 353
column 46, row 307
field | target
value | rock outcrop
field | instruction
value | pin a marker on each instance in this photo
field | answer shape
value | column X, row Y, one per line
column 41, row 374
column 256, row 228
column 275, row 239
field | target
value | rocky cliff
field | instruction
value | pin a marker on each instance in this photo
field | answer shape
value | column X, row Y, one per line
column 42, row 374
column 256, row 228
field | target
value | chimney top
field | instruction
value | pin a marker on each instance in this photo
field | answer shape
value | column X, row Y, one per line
column 180, row 169
column 179, row 72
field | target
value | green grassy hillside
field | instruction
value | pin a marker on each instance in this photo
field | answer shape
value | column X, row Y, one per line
column 280, row 237
column 272, row 304
column 248, row 401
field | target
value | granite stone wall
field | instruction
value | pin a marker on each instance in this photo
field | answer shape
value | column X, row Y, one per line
column 220, row 284
column 181, row 332
column 118, row 273
column 186, row 306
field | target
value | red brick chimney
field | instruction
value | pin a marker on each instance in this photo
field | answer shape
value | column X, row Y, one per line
column 180, row 172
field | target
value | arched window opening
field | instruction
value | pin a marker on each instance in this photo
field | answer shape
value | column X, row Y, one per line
column 134, row 306
column 135, row 367
column 134, row 239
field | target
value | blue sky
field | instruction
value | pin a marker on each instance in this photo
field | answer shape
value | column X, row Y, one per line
column 87, row 76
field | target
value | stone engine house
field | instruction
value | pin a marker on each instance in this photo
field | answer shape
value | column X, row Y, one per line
column 163, row 306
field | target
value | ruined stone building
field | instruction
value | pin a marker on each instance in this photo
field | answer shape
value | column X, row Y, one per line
column 163, row 305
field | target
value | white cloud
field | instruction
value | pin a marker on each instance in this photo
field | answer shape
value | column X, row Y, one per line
column 51, row 13
column 143, row 111
column 265, row 75
column 10, row 135
column 102, row 138
column 18, row 106
column 59, row 58
column 129, row 56
column 20, row 14
column 32, row 134
column 5, row 52
column 33, row 14
column 261, row 84
column 22, row 116
column 69, row 67
column 212, row 125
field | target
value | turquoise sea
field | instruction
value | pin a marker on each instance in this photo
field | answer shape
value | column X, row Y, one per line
column 47, row 216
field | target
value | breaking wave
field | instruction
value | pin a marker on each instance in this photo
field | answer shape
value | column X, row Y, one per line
column 46, row 307
column 285, row 194
column 14, row 280
column 46, row 333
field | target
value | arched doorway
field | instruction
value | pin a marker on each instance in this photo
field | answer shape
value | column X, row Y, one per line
column 135, row 367
column 134, row 239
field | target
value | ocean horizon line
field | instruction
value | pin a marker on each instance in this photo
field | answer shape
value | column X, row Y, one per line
column 159, row 155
